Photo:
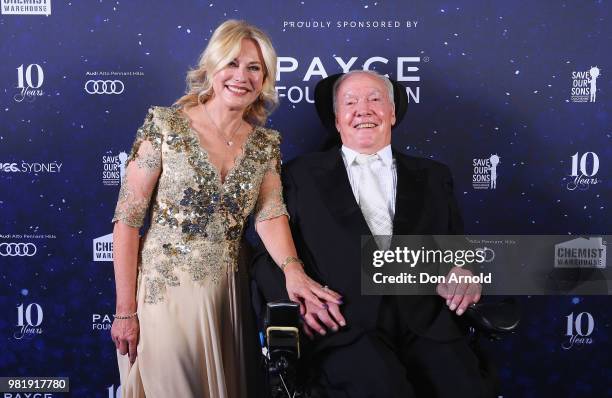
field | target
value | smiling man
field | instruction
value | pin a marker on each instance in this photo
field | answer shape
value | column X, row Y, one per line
column 365, row 111
column 372, row 346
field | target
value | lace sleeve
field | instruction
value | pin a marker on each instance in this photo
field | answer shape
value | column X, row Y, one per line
column 270, row 203
column 143, row 167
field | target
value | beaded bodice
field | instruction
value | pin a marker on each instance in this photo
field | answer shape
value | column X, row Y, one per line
column 196, row 219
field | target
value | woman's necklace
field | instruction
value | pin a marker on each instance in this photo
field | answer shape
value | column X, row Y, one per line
column 228, row 141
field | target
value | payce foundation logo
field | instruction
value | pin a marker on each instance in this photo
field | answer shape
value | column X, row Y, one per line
column 484, row 174
column 405, row 71
column 101, row 322
column 26, row 7
column 29, row 321
column 103, row 248
column 579, row 329
column 584, row 85
column 113, row 168
column 29, row 82
column 584, row 171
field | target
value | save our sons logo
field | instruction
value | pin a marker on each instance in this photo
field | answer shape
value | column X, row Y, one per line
column 584, row 85
column 113, row 168
column 484, row 174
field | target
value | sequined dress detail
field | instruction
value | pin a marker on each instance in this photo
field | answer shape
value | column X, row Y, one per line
column 193, row 241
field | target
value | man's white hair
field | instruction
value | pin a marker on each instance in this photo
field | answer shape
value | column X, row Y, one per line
column 384, row 79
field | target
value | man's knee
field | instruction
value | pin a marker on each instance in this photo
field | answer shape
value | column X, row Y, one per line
column 366, row 368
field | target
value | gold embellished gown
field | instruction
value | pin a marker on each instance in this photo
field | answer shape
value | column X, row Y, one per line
column 190, row 342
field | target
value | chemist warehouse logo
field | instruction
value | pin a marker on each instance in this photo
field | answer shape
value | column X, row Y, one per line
column 581, row 253
column 113, row 168
column 103, row 248
column 403, row 69
column 26, row 7
column 584, row 85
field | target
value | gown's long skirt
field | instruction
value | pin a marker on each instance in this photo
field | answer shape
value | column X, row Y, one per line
column 190, row 344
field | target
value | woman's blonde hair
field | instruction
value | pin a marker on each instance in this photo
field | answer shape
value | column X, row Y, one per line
column 224, row 46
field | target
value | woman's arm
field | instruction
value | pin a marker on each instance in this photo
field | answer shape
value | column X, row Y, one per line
column 125, row 255
column 143, row 168
column 125, row 332
column 276, row 237
column 272, row 225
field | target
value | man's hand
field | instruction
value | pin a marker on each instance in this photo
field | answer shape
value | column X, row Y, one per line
column 320, row 320
column 459, row 295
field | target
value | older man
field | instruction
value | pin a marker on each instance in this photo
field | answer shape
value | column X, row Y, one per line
column 372, row 346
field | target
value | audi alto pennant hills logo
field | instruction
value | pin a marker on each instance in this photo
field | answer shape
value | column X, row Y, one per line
column 104, row 87
column 108, row 82
column 17, row 249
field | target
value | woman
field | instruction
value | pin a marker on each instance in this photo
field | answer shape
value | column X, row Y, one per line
column 201, row 167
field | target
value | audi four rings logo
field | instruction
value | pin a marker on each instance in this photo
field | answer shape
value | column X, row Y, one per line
column 104, row 86
column 17, row 249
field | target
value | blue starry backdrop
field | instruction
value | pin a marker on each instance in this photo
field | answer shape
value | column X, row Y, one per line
column 514, row 96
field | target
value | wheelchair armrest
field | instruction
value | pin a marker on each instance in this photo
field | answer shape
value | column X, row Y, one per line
column 494, row 319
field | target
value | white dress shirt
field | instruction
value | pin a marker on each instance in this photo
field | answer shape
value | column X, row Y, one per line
column 384, row 168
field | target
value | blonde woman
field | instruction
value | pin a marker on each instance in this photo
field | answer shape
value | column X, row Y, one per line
column 201, row 167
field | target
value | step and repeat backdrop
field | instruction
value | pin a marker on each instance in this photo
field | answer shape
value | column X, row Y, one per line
column 514, row 96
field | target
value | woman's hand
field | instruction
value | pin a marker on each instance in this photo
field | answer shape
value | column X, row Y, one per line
column 301, row 288
column 124, row 333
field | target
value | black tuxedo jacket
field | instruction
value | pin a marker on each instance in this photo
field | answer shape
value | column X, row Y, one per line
column 327, row 224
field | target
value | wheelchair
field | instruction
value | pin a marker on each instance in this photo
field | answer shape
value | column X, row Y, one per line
column 281, row 350
column 280, row 341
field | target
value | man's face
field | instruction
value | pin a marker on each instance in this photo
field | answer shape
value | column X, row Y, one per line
column 364, row 113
